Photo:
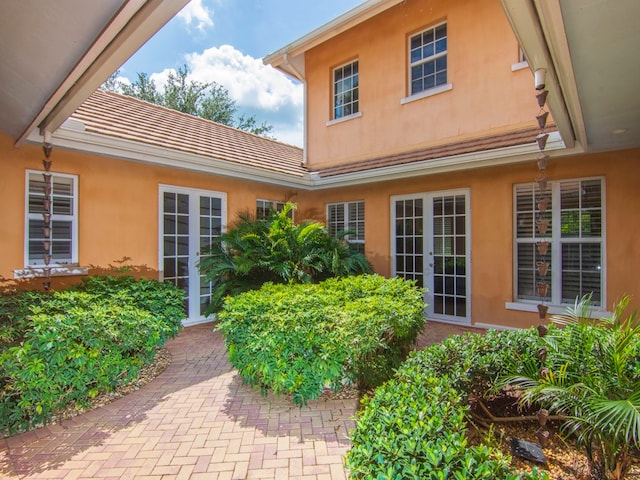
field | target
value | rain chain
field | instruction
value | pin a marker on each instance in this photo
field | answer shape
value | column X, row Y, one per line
column 543, row 214
column 46, row 211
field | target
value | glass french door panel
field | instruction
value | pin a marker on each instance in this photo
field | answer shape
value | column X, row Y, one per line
column 210, row 220
column 409, row 228
column 175, row 241
column 449, row 255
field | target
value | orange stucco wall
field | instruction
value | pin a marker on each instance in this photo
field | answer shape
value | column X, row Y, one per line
column 118, row 215
column 118, row 205
column 487, row 96
column 491, row 203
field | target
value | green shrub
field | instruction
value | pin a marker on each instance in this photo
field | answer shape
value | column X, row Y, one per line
column 300, row 338
column 256, row 251
column 414, row 426
column 591, row 375
column 81, row 342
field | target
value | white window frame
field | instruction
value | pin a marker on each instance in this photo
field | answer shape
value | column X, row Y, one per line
column 437, row 88
column 276, row 205
column 347, row 220
column 73, row 218
column 334, row 94
column 554, row 298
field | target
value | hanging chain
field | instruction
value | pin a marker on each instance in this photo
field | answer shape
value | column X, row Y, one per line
column 47, row 209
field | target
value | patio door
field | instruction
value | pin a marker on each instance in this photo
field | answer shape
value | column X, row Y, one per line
column 430, row 244
column 189, row 220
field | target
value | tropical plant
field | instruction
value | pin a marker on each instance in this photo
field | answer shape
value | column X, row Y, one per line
column 255, row 251
column 591, row 375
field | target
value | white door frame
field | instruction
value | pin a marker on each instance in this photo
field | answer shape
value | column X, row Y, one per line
column 194, row 194
column 428, row 268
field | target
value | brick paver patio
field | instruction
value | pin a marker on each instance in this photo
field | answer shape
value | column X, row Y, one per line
column 195, row 421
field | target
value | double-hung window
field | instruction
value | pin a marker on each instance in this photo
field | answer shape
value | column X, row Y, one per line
column 571, row 240
column 59, row 238
column 347, row 216
column 345, row 90
column 428, row 59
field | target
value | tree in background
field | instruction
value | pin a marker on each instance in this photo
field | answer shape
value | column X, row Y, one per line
column 208, row 100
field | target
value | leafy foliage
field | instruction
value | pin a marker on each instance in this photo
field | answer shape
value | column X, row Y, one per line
column 297, row 339
column 591, row 374
column 414, row 426
column 255, row 251
column 208, row 100
column 78, row 343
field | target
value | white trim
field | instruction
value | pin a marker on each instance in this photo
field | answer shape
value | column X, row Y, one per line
column 427, row 270
column 427, row 93
column 488, row 158
column 556, row 241
column 333, row 88
column 493, row 326
column 194, row 241
column 553, row 309
column 54, row 271
column 519, row 66
column 76, row 139
column 74, row 218
column 346, row 118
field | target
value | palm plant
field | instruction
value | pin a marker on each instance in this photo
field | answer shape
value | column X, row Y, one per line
column 255, row 251
column 591, row 375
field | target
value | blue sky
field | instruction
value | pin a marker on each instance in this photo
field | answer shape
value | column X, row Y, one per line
column 224, row 41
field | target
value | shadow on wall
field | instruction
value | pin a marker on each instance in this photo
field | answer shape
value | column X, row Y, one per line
column 116, row 268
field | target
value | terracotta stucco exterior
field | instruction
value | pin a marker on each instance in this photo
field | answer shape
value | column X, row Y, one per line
column 486, row 96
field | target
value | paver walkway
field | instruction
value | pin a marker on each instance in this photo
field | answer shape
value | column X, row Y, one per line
column 194, row 421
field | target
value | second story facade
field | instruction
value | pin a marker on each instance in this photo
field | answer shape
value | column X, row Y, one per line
column 393, row 77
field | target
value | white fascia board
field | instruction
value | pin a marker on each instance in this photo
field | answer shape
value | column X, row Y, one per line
column 468, row 161
column 524, row 20
column 325, row 32
column 76, row 139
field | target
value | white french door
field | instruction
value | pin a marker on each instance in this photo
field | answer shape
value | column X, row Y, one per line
column 430, row 244
column 189, row 220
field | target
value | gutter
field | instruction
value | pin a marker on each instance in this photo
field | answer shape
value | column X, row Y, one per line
column 72, row 136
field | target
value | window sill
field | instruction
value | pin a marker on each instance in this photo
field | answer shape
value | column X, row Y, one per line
column 553, row 309
column 344, row 119
column 427, row 93
column 55, row 271
column 519, row 66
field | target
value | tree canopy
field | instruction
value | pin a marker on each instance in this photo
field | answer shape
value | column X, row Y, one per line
column 208, row 100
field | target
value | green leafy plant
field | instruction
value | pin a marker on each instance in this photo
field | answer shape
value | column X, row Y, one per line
column 255, row 251
column 414, row 426
column 81, row 342
column 591, row 375
column 300, row 338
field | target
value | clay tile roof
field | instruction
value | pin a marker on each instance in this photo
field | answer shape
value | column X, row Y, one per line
column 509, row 139
column 115, row 115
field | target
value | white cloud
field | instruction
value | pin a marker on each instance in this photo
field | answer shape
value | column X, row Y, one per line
column 256, row 88
column 196, row 13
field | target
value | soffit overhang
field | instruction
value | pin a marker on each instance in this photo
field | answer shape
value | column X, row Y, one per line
column 53, row 55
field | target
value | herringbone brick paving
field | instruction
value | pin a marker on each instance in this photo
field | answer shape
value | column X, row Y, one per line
column 194, row 421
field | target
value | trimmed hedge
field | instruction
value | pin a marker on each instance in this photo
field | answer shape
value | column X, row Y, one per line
column 78, row 343
column 414, row 426
column 298, row 339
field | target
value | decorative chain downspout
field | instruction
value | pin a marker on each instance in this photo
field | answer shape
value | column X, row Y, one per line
column 47, row 204
column 543, row 198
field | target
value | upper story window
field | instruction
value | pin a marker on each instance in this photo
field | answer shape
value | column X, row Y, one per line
column 59, row 239
column 571, row 241
column 345, row 90
column 264, row 208
column 428, row 59
column 347, row 216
